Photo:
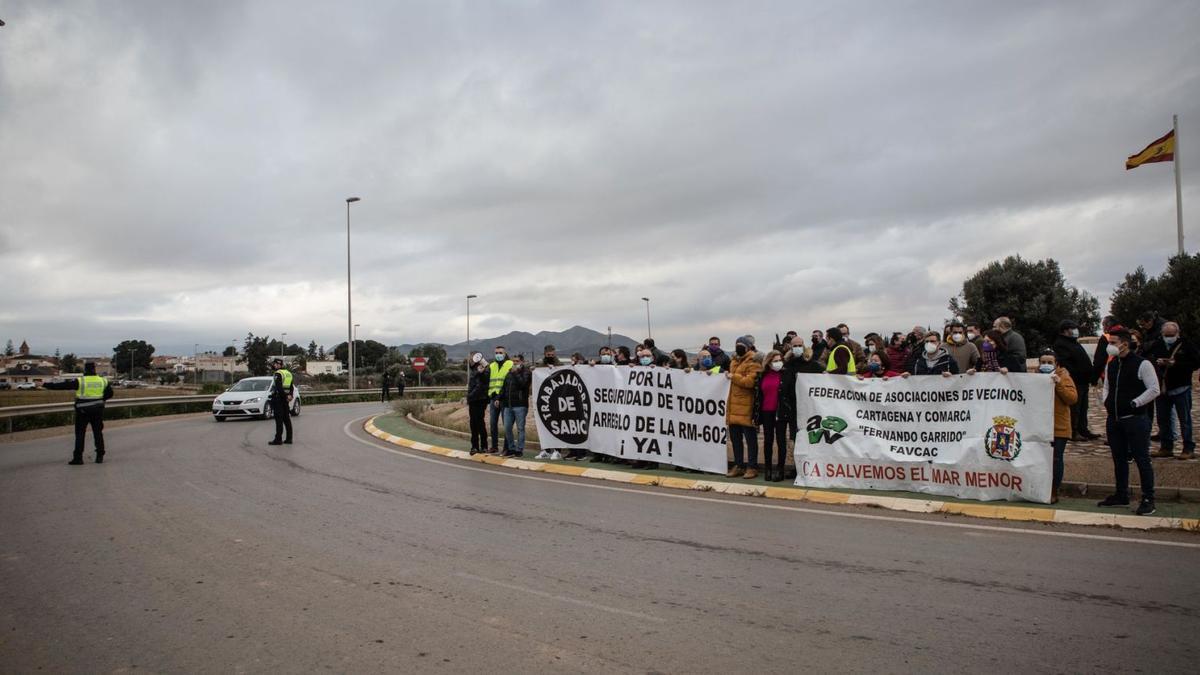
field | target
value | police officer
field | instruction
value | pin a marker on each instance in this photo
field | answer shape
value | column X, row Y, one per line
column 91, row 391
column 281, row 402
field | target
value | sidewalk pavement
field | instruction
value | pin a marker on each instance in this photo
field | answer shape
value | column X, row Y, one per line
column 1077, row 511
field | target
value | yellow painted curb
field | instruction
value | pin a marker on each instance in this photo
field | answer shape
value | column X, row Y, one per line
column 992, row 511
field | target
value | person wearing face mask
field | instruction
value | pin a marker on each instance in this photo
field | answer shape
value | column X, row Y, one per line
column 739, row 409
column 974, row 335
column 1130, row 385
column 604, row 357
column 797, row 359
column 994, row 357
column 1014, row 342
column 622, row 357
column 498, row 369
column 819, row 348
column 878, row 367
column 549, row 357
column 841, row 359
column 720, row 358
column 705, row 362
column 1071, row 355
column 965, row 354
column 514, row 401
column 1175, row 358
column 933, row 359
column 1065, row 396
column 768, row 413
column 477, row 401
column 897, row 351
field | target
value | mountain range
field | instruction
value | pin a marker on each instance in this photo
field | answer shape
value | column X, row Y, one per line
column 575, row 339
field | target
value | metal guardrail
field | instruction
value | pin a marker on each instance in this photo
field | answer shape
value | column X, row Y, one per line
column 20, row 410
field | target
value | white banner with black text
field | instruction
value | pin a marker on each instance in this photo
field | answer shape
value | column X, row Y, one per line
column 636, row 413
column 985, row 436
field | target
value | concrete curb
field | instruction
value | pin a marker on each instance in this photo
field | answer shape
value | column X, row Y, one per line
column 980, row 510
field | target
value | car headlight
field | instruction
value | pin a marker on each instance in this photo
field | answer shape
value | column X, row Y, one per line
column 254, row 400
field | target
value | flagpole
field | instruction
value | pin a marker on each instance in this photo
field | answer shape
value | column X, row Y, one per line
column 1178, row 192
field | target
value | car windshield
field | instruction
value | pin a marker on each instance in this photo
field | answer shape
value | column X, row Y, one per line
column 251, row 385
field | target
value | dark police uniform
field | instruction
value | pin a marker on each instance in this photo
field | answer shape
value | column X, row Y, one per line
column 91, row 391
column 281, row 388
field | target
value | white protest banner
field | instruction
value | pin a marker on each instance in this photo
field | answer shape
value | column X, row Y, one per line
column 638, row 413
column 985, row 436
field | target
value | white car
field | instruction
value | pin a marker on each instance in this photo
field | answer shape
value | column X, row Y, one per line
column 24, row 386
column 248, row 398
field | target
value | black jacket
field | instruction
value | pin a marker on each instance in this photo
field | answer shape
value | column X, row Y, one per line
column 1186, row 357
column 721, row 359
column 792, row 367
column 515, row 391
column 477, row 385
column 1099, row 359
column 1074, row 358
column 944, row 364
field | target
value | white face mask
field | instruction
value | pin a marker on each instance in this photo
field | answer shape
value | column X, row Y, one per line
column 1112, row 350
column 777, row 365
column 870, row 349
column 798, row 352
column 477, row 358
column 606, row 358
column 1074, row 332
column 972, row 335
column 957, row 337
column 1170, row 339
column 930, row 347
column 1046, row 368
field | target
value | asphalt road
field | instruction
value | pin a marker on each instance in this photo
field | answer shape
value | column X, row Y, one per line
column 197, row 547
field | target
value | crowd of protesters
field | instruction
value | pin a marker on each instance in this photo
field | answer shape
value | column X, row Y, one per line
column 1141, row 373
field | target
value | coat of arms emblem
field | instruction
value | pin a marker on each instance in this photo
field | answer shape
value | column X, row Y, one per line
column 1003, row 441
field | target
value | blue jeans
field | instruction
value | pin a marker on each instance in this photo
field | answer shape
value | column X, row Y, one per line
column 1181, row 403
column 1130, row 437
column 494, row 423
column 515, row 415
column 745, row 441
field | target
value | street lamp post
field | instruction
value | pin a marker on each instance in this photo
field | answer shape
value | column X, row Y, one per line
column 355, row 357
column 468, row 359
column 349, row 319
column 648, row 334
column 196, row 364
column 283, row 345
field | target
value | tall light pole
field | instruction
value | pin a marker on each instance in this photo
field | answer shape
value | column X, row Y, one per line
column 196, row 364
column 283, row 347
column 648, row 317
column 355, row 356
column 349, row 319
column 468, row 359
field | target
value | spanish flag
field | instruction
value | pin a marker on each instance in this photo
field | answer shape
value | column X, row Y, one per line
column 1162, row 150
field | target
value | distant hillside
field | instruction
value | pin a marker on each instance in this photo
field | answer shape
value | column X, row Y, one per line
column 576, row 339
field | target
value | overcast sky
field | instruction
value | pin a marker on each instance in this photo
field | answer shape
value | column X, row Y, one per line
column 176, row 171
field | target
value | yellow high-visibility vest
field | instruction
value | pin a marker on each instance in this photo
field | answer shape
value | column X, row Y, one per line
column 286, row 376
column 498, row 373
column 714, row 370
column 832, row 365
column 91, row 387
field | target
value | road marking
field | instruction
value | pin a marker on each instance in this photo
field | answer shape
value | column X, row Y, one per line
column 560, row 598
column 377, row 444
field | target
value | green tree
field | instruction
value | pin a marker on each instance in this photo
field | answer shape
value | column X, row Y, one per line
column 8, row 348
column 435, row 356
column 255, row 355
column 321, row 353
column 311, row 352
column 391, row 361
column 366, row 353
column 229, row 351
column 139, row 350
column 68, row 363
column 1033, row 294
column 1174, row 294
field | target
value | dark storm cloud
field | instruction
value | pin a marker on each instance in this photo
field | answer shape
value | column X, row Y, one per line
column 751, row 167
